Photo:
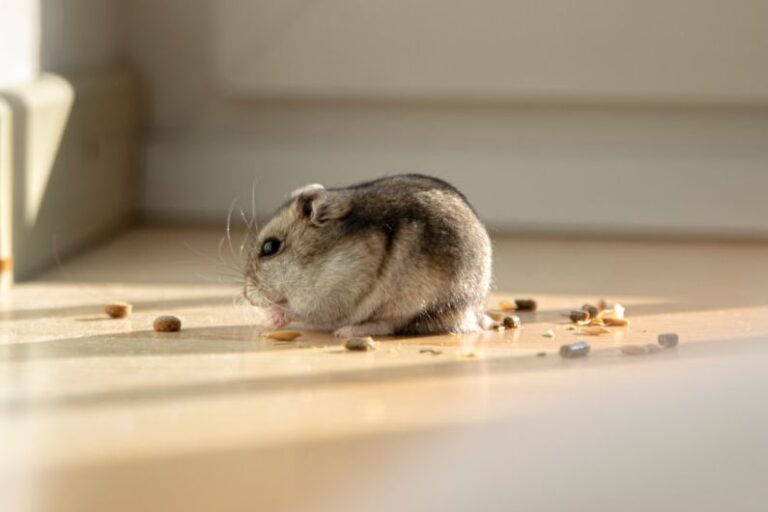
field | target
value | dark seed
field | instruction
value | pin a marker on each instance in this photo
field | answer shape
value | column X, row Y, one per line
column 591, row 310
column 669, row 340
column 512, row 322
column 579, row 316
column 578, row 349
column 525, row 304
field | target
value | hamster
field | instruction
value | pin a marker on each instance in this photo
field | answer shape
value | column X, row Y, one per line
column 403, row 254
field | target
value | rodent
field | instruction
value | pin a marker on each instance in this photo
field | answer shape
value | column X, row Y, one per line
column 403, row 254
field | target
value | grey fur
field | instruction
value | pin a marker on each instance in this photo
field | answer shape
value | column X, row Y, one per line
column 401, row 254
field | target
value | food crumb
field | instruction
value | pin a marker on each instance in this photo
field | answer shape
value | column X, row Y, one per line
column 432, row 351
column 549, row 334
column 167, row 323
column 592, row 330
column 281, row 335
column 118, row 309
column 363, row 344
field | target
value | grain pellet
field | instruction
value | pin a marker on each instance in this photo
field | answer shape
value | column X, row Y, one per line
column 360, row 344
column 511, row 322
column 669, row 340
column 579, row 316
column 578, row 349
column 525, row 305
column 118, row 309
column 282, row 335
column 167, row 323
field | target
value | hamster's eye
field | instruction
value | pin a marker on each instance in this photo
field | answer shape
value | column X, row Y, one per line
column 270, row 246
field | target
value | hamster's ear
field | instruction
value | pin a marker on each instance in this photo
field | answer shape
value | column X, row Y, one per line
column 317, row 205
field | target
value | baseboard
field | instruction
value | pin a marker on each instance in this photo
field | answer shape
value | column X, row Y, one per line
column 602, row 171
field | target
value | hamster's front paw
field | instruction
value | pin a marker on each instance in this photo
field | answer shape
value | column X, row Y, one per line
column 279, row 317
column 367, row 329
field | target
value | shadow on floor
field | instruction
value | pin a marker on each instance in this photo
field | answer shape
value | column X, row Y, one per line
column 430, row 369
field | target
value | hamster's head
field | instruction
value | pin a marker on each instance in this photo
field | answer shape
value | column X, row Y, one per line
column 303, row 265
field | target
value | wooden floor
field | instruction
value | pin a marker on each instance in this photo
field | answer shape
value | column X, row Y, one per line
column 102, row 414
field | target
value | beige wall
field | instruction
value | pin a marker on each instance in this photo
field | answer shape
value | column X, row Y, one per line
column 610, row 118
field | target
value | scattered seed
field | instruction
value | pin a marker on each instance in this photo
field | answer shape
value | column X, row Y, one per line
column 118, row 309
column 495, row 315
column 579, row 316
column 432, row 351
column 526, row 304
column 578, row 349
column 669, row 340
column 360, row 344
column 615, row 322
column 549, row 334
column 593, row 330
column 281, row 335
column 591, row 310
column 512, row 322
column 167, row 323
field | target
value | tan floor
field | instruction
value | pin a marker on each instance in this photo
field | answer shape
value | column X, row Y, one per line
column 101, row 414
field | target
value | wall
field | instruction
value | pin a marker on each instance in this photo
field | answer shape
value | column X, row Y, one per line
column 69, row 151
column 237, row 97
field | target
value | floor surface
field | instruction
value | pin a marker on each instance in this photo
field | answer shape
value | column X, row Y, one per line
column 103, row 414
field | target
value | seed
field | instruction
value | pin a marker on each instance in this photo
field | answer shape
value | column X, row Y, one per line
column 593, row 330
column 578, row 349
column 118, row 309
column 432, row 351
column 506, row 305
column 579, row 316
column 615, row 322
column 525, row 304
column 591, row 310
column 549, row 334
column 512, row 322
column 360, row 344
column 282, row 335
column 167, row 323
column 669, row 340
